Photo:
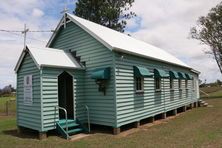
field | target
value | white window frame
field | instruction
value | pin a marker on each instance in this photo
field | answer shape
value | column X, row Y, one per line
column 155, row 84
column 139, row 85
column 186, row 84
column 171, row 83
column 180, row 84
column 193, row 84
column 180, row 88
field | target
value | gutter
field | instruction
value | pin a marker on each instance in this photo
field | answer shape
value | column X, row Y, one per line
column 140, row 55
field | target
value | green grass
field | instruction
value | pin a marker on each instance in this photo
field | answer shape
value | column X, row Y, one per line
column 12, row 105
column 200, row 127
column 213, row 92
column 216, row 94
column 211, row 89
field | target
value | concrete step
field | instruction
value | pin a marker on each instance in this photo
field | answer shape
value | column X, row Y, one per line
column 202, row 102
column 205, row 104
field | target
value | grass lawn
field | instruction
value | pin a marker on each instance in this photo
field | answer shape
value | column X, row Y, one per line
column 214, row 92
column 199, row 127
column 3, row 101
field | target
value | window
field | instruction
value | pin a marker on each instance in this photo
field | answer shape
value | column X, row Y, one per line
column 186, row 84
column 171, row 83
column 180, row 88
column 193, row 84
column 171, row 89
column 180, row 84
column 139, row 84
column 187, row 93
column 158, row 83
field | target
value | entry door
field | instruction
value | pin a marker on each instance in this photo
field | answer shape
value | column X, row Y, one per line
column 65, row 94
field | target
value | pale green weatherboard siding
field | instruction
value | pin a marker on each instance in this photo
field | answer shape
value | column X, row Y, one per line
column 133, row 107
column 96, row 55
column 118, row 107
column 196, row 93
column 49, row 78
column 29, row 116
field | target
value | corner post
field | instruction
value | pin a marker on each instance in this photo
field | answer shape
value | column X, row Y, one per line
column 175, row 112
column 42, row 135
column 163, row 115
column 137, row 124
column 116, row 130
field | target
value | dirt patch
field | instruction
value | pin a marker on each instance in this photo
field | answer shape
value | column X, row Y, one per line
column 79, row 136
column 128, row 132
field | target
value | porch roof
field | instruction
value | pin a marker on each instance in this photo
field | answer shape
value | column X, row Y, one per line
column 49, row 57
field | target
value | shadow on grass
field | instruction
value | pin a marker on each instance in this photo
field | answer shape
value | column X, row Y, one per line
column 25, row 134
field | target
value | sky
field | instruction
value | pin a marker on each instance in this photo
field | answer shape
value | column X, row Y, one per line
column 163, row 23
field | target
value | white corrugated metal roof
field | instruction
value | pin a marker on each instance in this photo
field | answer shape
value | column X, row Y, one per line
column 50, row 57
column 115, row 40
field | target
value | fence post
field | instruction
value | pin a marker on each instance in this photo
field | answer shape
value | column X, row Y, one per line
column 6, row 108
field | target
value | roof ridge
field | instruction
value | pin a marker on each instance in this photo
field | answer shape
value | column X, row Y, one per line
column 46, row 48
column 123, row 34
column 121, row 42
column 137, row 47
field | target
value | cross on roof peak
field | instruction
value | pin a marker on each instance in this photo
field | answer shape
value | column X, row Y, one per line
column 65, row 10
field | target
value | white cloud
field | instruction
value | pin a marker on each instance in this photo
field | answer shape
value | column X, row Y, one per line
column 11, row 44
column 167, row 23
column 164, row 23
column 37, row 12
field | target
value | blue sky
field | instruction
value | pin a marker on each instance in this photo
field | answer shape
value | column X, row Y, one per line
column 163, row 23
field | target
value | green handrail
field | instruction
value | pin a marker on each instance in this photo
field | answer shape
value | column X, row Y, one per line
column 63, row 109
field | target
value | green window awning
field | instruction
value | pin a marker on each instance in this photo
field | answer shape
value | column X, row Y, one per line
column 159, row 73
column 174, row 74
column 188, row 76
column 102, row 73
column 181, row 75
column 141, row 72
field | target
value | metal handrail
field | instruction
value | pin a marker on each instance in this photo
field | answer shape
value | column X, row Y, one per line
column 204, row 93
column 63, row 109
column 88, row 120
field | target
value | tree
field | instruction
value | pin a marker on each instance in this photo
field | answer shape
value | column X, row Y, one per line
column 218, row 82
column 209, row 32
column 109, row 13
column 7, row 90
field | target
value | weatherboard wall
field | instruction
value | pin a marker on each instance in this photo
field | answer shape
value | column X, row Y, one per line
column 195, row 84
column 49, row 80
column 29, row 116
column 135, row 107
column 95, row 55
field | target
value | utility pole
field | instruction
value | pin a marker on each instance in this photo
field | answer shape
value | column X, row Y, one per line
column 25, row 33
